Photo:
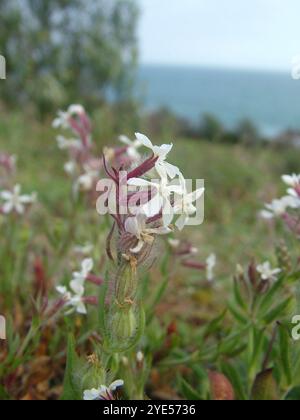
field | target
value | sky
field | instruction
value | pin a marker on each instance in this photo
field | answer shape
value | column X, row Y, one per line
column 250, row 34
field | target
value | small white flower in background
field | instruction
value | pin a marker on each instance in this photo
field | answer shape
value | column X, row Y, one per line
column 86, row 181
column 79, row 277
column 184, row 206
column 133, row 146
column 67, row 144
column 70, row 167
column 62, row 119
column 267, row 272
column 103, row 392
column 137, row 226
column 278, row 207
column 14, row 201
column 163, row 168
column 210, row 266
column 74, row 299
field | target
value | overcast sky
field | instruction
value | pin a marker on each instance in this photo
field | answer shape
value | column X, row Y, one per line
column 259, row 34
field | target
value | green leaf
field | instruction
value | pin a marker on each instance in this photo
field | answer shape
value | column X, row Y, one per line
column 274, row 314
column 188, row 391
column 235, row 377
column 239, row 316
column 284, row 342
column 71, row 391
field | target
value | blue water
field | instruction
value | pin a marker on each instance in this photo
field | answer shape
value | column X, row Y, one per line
column 270, row 100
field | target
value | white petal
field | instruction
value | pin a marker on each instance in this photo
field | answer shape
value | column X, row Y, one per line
column 138, row 248
column 87, row 265
column 144, row 140
column 81, row 308
column 132, row 226
column 181, row 222
column 91, row 394
column 116, row 384
column 172, row 170
column 138, row 182
column 6, row 195
column 7, row 207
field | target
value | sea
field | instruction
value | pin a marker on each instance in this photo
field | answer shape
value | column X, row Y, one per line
column 270, row 100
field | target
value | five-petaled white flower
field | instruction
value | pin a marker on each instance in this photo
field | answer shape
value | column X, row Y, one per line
column 185, row 204
column 160, row 152
column 132, row 147
column 210, row 266
column 103, row 392
column 14, row 201
column 137, row 226
column 278, row 207
column 267, row 272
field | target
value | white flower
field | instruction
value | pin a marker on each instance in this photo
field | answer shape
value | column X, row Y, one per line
column 133, row 146
column 161, row 200
column 210, row 265
column 14, row 201
column 291, row 180
column 267, row 272
column 137, row 226
column 63, row 117
column 103, row 392
column 278, row 207
column 67, row 144
column 70, row 167
column 86, row 181
column 163, row 168
column 184, row 206
column 79, row 277
column 74, row 299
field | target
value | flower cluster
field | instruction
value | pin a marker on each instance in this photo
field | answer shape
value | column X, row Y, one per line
column 82, row 166
column 287, row 207
column 152, row 204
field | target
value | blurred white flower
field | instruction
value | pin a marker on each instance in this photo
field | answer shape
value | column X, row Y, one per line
column 86, row 181
column 137, row 227
column 184, row 206
column 211, row 262
column 74, row 299
column 14, row 201
column 291, row 180
column 63, row 117
column 267, row 272
column 70, row 167
column 163, row 168
column 79, row 277
column 133, row 146
column 278, row 207
column 103, row 392
column 67, row 144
